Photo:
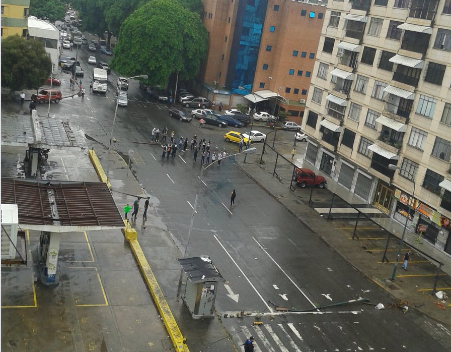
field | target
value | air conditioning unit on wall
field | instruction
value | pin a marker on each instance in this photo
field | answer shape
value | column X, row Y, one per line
column 302, row 101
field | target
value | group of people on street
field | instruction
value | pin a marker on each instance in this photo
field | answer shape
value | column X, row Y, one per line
column 135, row 208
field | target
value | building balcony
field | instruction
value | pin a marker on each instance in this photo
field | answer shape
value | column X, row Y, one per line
column 380, row 164
column 423, row 9
column 391, row 139
column 354, row 33
column 342, row 86
column 409, row 79
column 363, row 5
column 416, row 42
column 401, row 109
column 348, row 59
column 330, row 137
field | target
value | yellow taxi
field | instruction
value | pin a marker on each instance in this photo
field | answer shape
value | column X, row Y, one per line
column 235, row 137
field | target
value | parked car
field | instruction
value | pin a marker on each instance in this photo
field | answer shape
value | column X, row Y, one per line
column 44, row 94
column 105, row 51
column 288, row 125
column 92, row 60
column 53, row 81
column 263, row 116
column 122, row 99
column 245, row 119
column 67, row 44
column 92, row 47
column 198, row 113
column 180, row 114
column 84, row 41
column 122, row 83
column 79, row 72
column 198, row 103
column 160, row 95
column 104, row 65
column 70, row 65
column 232, row 112
column 306, row 177
column 235, row 137
column 256, row 136
column 231, row 121
column 300, row 136
column 63, row 59
column 185, row 97
column 213, row 120
column 78, row 41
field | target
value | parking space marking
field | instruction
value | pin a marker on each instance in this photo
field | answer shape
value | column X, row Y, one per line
column 90, row 252
column 191, row 206
column 410, row 262
column 35, row 305
column 153, row 156
column 437, row 289
column 182, row 159
column 382, row 250
column 101, row 287
column 170, row 178
column 227, row 208
column 369, row 238
column 420, row 275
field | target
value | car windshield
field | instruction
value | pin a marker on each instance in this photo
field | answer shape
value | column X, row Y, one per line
column 43, row 92
column 182, row 112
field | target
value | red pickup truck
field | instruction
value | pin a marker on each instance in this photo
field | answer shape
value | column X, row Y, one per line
column 304, row 177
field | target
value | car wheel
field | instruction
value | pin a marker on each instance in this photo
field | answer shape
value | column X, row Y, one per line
column 304, row 140
column 220, row 125
column 194, row 116
column 57, row 101
column 181, row 119
column 170, row 114
column 187, row 105
column 227, row 139
column 303, row 184
column 321, row 185
column 262, row 140
column 204, row 106
column 41, row 101
column 236, row 126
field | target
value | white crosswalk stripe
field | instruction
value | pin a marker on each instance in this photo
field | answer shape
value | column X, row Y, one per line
column 276, row 338
column 290, row 340
column 264, row 340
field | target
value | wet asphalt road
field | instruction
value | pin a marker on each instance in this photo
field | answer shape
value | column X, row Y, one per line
column 265, row 254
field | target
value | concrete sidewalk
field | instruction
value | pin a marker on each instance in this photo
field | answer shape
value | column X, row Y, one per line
column 402, row 289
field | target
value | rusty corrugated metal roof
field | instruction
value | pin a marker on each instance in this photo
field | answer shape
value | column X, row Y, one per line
column 82, row 204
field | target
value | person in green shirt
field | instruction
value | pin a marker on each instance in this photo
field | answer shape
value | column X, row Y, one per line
column 127, row 208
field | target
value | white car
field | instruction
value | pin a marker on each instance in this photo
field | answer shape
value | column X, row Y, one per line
column 263, row 116
column 302, row 137
column 198, row 113
column 256, row 136
column 122, row 99
column 288, row 125
column 92, row 60
column 66, row 44
column 122, row 83
column 186, row 97
column 232, row 112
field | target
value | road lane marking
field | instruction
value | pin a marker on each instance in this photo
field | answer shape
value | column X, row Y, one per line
column 225, row 206
column 420, row 275
column 295, row 331
column 35, row 305
column 288, row 277
column 153, row 156
column 276, row 338
column 245, row 276
column 369, row 238
column 410, row 262
column 182, row 159
column 288, row 337
column 261, row 337
column 170, row 178
column 437, row 289
column 191, row 206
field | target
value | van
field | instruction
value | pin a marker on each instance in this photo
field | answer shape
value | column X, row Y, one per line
column 245, row 119
column 43, row 96
column 304, row 177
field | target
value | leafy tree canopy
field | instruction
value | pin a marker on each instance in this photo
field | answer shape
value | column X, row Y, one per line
column 52, row 10
column 25, row 63
column 160, row 38
column 192, row 5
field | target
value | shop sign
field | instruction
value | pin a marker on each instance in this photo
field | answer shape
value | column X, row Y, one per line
column 422, row 228
column 426, row 211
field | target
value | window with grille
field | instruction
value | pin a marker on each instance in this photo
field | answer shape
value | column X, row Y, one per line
column 417, row 138
column 393, row 31
column 287, row 89
column 361, row 83
column 348, row 138
column 443, row 40
column 426, row 106
column 328, row 46
column 384, row 63
column 322, row 70
column 295, row 53
column 334, row 19
column 442, row 149
column 435, row 73
column 312, row 119
column 408, row 169
column 447, row 7
column 378, row 90
column 381, row 2
column 368, row 55
column 300, row 72
column 401, row 4
column 363, row 147
column 335, row 110
column 432, row 180
column 375, row 26
column 446, row 116
column 371, row 117
column 354, row 111
column 317, row 95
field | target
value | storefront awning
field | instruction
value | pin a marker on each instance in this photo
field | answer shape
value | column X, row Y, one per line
column 446, row 185
column 330, row 126
column 336, row 100
column 342, row 74
column 406, row 61
column 348, row 46
column 405, row 94
column 254, row 98
column 353, row 17
column 390, row 123
column 415, row 28
column 382, row 152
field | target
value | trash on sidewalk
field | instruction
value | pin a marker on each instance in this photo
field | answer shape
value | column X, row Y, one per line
column 441, row 295
column 379, row 306
column 403, row 305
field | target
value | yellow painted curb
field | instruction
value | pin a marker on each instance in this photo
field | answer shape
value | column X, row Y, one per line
column 98, row 167
column 175, row 334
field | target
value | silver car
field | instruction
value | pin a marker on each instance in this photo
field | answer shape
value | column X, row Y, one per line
column 122, row 99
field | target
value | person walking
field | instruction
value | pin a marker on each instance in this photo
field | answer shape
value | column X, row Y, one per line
column 174, row 150
column 146, row 206
column 170, row 102
column 232, row 199
column 192, row 143
column 195, row 154
column 203, row 145
column 90, row 87
column 127, row 209
column 293, row 152
column 22, row 98
column 135, row 209
column 220, row 106
column 154, row 130
column 172, row 137
column 219, row 158
column 208, row 157
column 169, row 150
column 165, row 134
column 248, row 344
column 185, row 145
column 32, row 106
column 406, row 260
column 213, row 158
column 157, row 135
column 165, row 148
column 202, row 158
column 181, row 142
column 240, row 145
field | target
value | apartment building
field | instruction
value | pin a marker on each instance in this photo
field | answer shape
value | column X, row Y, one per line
column 48, row 35
column 14, row 17
column 264, row 46
column 379, row 108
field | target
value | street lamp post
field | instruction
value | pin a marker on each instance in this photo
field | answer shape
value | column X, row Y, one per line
column 50, row 95
column 252, row 120
column 398, row 252
column 277, row 118
column 247, row 151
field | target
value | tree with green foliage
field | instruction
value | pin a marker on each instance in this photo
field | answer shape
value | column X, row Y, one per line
column 51, row 10
column 158, row 39
column 195, row 6
column 25, row 63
